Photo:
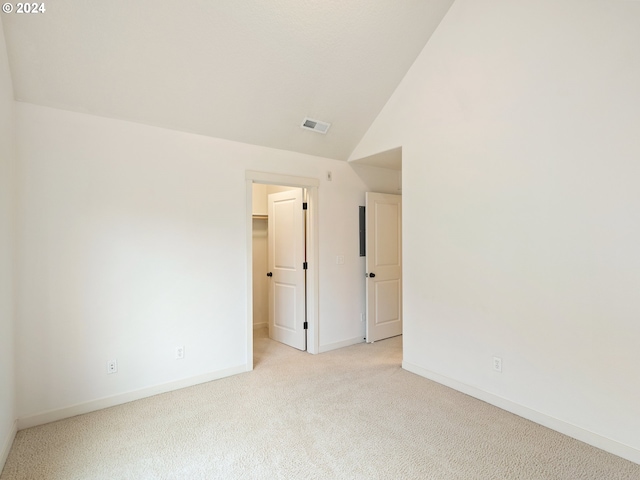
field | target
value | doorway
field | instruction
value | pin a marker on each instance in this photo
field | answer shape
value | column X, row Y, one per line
column 279, row 263
column 259, row 186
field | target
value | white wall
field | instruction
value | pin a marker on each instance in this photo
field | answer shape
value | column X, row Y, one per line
column 260, row 268
column 7, row 173
column 276, row 189
column 133, row 242
column 519, row 130
column 260, row 231
column 259, row 199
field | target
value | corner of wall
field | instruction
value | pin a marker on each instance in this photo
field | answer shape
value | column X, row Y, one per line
column 6, row 445
column 8, row 243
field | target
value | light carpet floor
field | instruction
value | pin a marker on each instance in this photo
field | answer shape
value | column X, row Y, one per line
column 351, row 413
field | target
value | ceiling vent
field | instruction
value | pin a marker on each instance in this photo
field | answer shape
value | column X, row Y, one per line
column 315, row 125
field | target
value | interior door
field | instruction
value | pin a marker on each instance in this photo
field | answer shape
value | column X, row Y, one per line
column 286, row 257
column 383, row 223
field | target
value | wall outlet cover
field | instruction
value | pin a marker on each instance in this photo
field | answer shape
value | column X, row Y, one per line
column 497, row 364
column 112, row 366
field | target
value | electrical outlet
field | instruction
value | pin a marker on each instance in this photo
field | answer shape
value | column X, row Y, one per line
column 339, row 259
column 112, row 366
column 179, row 352
column 497, row 364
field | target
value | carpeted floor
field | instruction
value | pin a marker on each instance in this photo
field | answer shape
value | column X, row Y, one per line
column 348, row 414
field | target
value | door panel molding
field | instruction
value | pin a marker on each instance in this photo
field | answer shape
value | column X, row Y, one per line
column 313, row 277
column 383, row 214
column 286, row 258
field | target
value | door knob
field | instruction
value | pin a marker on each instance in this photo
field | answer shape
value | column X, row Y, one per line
column 269, row 274
column 372, row 275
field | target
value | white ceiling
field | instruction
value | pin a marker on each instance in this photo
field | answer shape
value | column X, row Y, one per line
column 242, row 70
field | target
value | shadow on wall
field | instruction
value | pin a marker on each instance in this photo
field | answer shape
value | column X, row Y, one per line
column 368, row 169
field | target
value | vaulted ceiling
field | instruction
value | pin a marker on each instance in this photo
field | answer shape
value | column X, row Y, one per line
column 242, row 70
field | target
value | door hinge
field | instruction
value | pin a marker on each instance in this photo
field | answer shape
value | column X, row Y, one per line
column 305, row 265
column 305, row 205
column 306, row 325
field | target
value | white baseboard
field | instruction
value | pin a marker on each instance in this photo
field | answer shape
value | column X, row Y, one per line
column 345, row 343
column 106, row 402
column 586, row 436
column 6, row 445
column 258, row 326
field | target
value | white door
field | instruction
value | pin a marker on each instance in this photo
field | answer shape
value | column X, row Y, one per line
column 383, row 213
column 286, row 259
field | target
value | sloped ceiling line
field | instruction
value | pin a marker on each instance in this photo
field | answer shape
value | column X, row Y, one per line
column 244, row 71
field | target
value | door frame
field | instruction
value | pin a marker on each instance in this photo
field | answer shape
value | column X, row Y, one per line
column 311, row 185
